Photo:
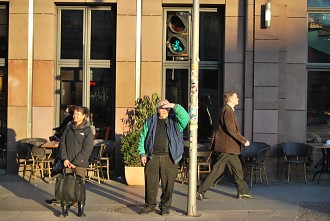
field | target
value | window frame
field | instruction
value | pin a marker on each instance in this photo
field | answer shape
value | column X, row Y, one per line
column 312, row 67
column 86, row 64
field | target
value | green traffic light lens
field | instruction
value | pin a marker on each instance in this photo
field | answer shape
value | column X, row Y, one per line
column 176, row 45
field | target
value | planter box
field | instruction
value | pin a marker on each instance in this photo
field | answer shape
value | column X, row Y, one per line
column 134, row 176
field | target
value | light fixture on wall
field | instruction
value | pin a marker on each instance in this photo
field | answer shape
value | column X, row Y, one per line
column 268, row 15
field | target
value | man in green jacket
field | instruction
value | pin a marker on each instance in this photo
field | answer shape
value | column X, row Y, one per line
column 161, row 148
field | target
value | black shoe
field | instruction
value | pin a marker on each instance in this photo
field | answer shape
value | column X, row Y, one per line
column 81, row 208
column 147, row 209
column 201, row 196
column 65, row 212
column 165, row 212
column 245, row 195
column 50, row 201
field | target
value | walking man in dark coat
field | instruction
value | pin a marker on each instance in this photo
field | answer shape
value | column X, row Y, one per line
column 227, row 141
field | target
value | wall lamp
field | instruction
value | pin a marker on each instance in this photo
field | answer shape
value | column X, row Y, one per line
column 268, row 15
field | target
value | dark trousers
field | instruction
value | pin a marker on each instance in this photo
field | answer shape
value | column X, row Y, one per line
column 235, row 166
column 162, row 168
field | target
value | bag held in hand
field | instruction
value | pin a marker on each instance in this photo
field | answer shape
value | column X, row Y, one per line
column 65, row 187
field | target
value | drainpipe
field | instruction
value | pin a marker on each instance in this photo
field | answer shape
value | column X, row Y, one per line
column 138, row 49
column 30, row 70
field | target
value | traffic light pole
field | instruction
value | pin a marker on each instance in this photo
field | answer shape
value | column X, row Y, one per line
column 193, row 110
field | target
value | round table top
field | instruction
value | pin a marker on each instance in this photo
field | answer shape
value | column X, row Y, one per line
column 50, row 144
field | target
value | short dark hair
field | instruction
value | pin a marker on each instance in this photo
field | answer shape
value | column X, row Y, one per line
column 71, row 108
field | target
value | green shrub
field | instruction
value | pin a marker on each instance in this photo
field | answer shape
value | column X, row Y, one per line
column 145, row 107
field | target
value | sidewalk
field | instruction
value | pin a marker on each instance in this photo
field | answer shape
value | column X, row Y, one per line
column 20, row 200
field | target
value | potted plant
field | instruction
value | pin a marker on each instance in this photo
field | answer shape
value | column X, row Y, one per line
column 144, row 108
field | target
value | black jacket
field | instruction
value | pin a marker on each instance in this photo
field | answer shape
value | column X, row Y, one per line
column 59, row 130
column 76, row 144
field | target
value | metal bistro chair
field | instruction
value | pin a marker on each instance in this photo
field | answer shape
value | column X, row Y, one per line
column 23, row 157
column 254, row 157
column 296, row 154
column 40, row 161
column 95, row 162
column 183, row 167
column 105, row 158
column 203, row 162
column 23, row 152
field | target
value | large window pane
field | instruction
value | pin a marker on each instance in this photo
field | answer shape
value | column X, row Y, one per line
column 208, row 103
column 3, row 102
column 102, row 34
column 177, row 89
column 72, row 34
column 318, row 118
column 3, row 31
column 318, row 3
column 177, row 86
column 71, row 88
column 319, row 38
column 209, row 36
column 3, row 82
column 102, row 100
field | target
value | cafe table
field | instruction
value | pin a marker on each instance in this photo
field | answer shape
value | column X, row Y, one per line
column 325, row 148
column 51, row 147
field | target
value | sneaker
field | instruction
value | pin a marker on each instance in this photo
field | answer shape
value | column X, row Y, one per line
column 201, row 196
column 165, row 212
column 245, row 195
column 147, row 210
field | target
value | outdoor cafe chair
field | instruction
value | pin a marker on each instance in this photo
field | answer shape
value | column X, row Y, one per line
column 95, row 162
column 23, row 152
column 254, row 157
column 40, row 162
column 295, row 154
column 203, row 162
column 106, row 156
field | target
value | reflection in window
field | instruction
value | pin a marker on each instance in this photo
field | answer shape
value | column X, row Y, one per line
column 318, row 109
column 71, row 88
column 319, row 38
column 101, row 100
column 208, row 103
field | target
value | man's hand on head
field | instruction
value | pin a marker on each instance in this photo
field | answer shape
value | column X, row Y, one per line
column 169, row 105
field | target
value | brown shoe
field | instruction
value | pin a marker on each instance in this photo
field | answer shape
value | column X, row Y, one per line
column 245, row 195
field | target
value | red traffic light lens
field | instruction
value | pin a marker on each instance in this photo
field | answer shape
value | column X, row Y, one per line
column 177, row 24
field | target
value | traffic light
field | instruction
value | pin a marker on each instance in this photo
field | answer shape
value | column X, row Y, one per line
column 177, row 34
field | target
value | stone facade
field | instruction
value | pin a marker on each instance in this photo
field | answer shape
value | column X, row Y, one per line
column 266, row 66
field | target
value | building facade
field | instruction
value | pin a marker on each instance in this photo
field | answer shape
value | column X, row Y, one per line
column 106, row 53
